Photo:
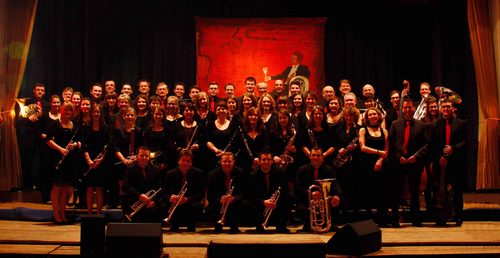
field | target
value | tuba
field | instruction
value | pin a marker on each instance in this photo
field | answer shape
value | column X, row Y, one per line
column 319, row 210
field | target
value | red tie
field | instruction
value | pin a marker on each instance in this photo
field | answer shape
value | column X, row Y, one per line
column 212, row 104
column 131, row 144
column 39, row 103
column 184, row 179
column 407, row 137
column 448, row 132
column 316, row 174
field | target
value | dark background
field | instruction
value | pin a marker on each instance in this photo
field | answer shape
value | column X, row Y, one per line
column 78, row 42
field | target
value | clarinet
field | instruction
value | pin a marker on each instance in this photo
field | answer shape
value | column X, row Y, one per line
column 314, row 143
column 286, row 158
column 99, row 156
column 70, row 141
column 189, row 144
column 246, row 143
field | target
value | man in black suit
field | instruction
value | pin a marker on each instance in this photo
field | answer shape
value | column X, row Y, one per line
column 29, row 135
column 447, row 145
column 307, row 176
column 296, row 69
column 408, row 148
column 189, row 207
column 141, row 178
column 221, row 181
column 265, row 182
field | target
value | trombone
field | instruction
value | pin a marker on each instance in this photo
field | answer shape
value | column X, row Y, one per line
column 269, row 211
column 223, row 210
column 181, row 194
column 319, row 210
column 138, row 205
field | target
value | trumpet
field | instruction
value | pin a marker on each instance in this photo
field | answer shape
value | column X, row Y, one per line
column 223, row 210
column 180, row 195
column 269, row 211
column 138, row 205
column 319, row 210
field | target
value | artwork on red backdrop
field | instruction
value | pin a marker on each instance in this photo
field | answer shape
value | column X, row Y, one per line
column 232, row 49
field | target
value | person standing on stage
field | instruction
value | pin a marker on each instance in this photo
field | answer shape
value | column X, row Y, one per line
column 408, row 150
column 221, row 181
column 188, row 207
column 142, row 180
column 374, row 146
column 64, row 139
column 96, row 140
column 126, row 140
column 447, row 145
column 265, row 182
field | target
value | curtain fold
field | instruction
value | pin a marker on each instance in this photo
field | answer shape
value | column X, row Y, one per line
column 480, row 29
column 16, row 26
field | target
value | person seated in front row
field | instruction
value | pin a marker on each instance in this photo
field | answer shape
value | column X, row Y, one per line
column 141, row 181
column 269, row 195
column 306, row 177
column 185, row 208
column 225, row 193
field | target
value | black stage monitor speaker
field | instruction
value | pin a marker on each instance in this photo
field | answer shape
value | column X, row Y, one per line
column 134, row 240
column 356, row 238
column 92, row 235
column 232, row 249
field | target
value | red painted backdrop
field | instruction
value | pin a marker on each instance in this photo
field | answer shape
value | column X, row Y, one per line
column 231, row 49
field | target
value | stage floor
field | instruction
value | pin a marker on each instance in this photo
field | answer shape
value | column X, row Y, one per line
column 474, row 238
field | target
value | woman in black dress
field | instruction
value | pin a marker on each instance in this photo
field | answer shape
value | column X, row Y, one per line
column 96, row 140
column 374, row 145
column 346, row 157
column 156, row 138
column 189, row 134
column 126, row 140
column 318, row 133
column 221, row 136
column 65, row 141
column 255, row 139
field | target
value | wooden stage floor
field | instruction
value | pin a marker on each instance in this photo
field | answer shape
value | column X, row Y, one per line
column 474, row 238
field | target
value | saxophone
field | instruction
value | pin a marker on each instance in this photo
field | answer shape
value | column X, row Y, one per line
column 341, row 159
column 286, row 157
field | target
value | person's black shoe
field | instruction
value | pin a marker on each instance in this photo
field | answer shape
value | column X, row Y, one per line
column 174, row 229
column 334, row 228
column 417, row 224
column 283, row 230
column 458, row 222
column 441, row 223
column 260, row 229
column 191, row 228
column 395, row 224
column 306, row 229
column 218, row 228
column 234, row 230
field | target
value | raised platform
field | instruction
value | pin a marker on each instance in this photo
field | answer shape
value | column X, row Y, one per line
column 479, row 236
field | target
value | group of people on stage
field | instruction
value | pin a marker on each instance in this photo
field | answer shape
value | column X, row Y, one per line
column 249, row 159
